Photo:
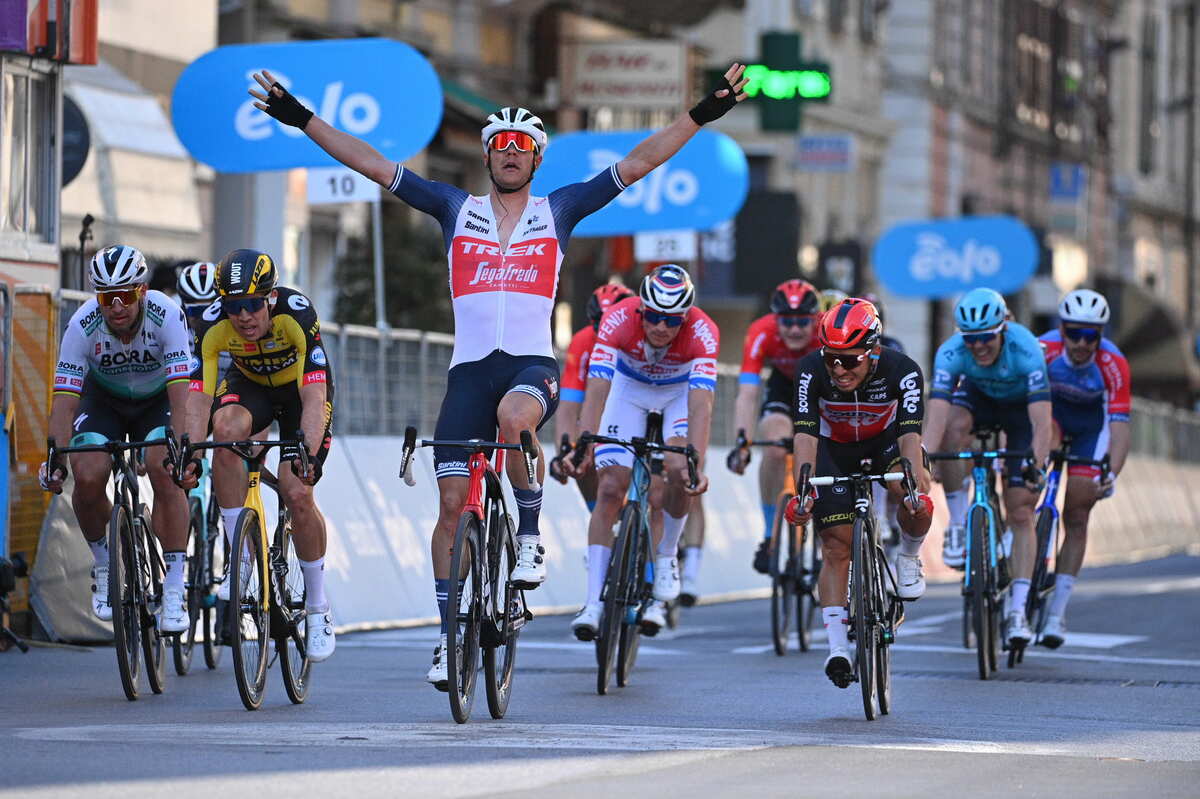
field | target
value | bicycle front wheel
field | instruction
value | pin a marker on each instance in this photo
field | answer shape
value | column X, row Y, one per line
column 782, row 583
column 149, row 559
column 639, row 583
column 183, row 645
column 249, row 610
column 214, row 610
column 981, row 605
column 507, row 616
column 465, row 601
column 887, row 614
column 1043, row 579
column 293, row 663
column 614, row 596
column 862, row 589
column 122, row 598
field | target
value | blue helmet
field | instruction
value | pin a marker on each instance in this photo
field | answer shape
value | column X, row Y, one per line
column 980, row 309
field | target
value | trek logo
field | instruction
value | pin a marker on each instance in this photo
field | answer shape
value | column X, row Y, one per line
column 802, row 383
column 912, row 394
column 519, row 250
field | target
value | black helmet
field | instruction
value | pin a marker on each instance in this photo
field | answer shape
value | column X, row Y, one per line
column 246, row 272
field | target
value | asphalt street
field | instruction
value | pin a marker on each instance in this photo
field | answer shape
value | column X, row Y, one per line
column 711, row 711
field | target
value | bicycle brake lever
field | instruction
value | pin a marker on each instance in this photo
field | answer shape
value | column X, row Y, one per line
column 406, row 456
column 530, row 453
column 581, row 446
column 692, row 457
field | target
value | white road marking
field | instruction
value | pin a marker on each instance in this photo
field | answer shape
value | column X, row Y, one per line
column 566, row 646
column 1038, row 652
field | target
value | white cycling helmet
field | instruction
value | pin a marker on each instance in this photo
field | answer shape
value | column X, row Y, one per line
column 117, row 267
column 197, row 283
column 668, row 289
column 519, row 119
column 1084, row 307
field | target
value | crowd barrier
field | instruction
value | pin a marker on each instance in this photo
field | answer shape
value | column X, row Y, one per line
column 378, row 568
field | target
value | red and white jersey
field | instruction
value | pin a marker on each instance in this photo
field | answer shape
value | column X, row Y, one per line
column 575, row 372
column 622, row 349
column 503, row 297
column 765, row 346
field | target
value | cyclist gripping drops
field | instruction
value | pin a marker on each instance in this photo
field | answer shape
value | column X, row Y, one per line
column 504, row 250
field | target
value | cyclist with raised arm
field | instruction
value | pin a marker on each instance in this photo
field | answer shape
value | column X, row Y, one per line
column 281, row 373
column 123, row 371
column 654, row 352
column 574, row 383
column 779, row 339
column 504, row 250
column 992, row 373
column 857, row 402
column 1089, row 390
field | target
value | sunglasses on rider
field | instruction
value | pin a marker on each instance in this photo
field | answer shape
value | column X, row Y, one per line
column 512, row 138
column 1089, row 334
column 842, row 359
column 982, row 337
column 235, row 306
column 669, row 319
column 125, row 296
column 795, row 321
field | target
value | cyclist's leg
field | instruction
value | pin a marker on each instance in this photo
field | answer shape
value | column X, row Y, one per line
column 693, row 550
column 146, row 420
column 96, row 420
column 833, row 516
column 953, row 474
column 241, row 407
column 1019, row 506
column 1082, row 492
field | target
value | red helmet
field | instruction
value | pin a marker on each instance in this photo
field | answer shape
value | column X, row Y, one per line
column 795, row 297
column 849, row 324
column 602, row 298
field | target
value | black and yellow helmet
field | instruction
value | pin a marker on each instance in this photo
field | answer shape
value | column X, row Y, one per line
column 246, row 272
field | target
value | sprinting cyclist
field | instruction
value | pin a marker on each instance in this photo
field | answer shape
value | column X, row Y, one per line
column 857, row 401
column 574, row 383
column 654, row 352
column 1089, row 389
column 123, row 371
column 504, row 250
column 779, row 339
column 886, row 508
column 281, row 373
column 1003, row 384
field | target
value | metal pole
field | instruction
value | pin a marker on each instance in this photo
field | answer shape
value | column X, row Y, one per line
column 377, row 246
column 1189, row 192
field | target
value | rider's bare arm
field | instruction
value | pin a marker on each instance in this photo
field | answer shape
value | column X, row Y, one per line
column 805, row 448
column 1043, row 429
column 938, row 411
column 312, row 416
column 1119, row 440
column 743, row 408
column 593, row 404
column 700, row 406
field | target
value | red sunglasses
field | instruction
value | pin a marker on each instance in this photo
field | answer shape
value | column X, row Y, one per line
column 512, row 138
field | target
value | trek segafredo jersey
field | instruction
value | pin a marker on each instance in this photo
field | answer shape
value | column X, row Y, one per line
column 503, row 298
column 159, row 352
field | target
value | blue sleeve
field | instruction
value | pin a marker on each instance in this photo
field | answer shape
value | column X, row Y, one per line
column 571, row 395
column 1033, row 365
column 946, row 371
column 440, row 200
column 572, row 203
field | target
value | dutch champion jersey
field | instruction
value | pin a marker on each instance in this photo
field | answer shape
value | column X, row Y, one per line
column 158, row 354
column 1102, row 383
column 622, row 349
column 503, row 299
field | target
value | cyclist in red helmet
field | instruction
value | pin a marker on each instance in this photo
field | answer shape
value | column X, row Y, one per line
column 857, row 400
column 574, row 384
column 779, row 340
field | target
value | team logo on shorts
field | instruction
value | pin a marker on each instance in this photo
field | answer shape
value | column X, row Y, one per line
column 552, row 386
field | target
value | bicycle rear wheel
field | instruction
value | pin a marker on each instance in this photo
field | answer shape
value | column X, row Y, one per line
column 507, row 614
column 122, row 598
column 293, row 663
column 184, row 644
column 249, row 610
column 154, row 643
column 980, row 599
column 1043, row 579
column 807, row 561
column 465, row 601
column 862, row 592
column 639, row 587
column 782, row 584
column 614, row 597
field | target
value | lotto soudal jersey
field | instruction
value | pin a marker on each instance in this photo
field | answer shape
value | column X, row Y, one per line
column 765, row 347
column 503, row 297
column 1017, row 375
column 157, row 354
column 622, row 349
column 1101, row 383
column 888, row 403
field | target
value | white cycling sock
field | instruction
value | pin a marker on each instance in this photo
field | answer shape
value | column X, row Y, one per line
column 910, row 546
column 1063, row 583
column 597, row 563
column 99, row 549
column 1018, row 595
column 176, row 563
column 691, row 562
column 835, row 627
column 957, row 502
column 314, row 583
column 672, row 532
column 229, row 517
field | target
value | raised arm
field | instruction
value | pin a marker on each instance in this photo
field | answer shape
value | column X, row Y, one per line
column 655, row 149
column 355, row 153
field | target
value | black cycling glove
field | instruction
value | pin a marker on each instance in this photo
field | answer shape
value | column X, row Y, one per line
column 286, row 108
column 713, row 107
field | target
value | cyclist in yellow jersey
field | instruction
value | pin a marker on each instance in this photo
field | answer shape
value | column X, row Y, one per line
column 280, row 372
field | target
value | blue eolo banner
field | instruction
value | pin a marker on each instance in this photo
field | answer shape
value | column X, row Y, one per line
column 704, row 184
column 382, row 91
column 944, row 258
